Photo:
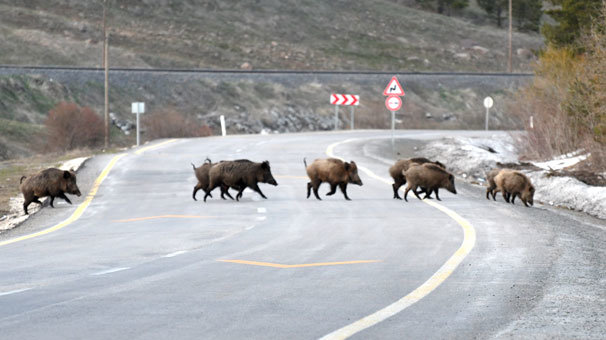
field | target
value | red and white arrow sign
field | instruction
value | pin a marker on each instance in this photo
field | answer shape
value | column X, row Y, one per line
column 344, row 99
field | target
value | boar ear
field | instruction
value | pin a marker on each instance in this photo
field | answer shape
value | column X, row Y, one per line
column 265, row 165
column 347, row 166
column 66, row 174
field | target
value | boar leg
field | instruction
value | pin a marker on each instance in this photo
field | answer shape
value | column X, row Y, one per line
column 225, row 191
column 513, row 198
column 436, row 191
column 308, row 189
column 196, row 188
column 407, row 190
column 396, row 186
column 256, row 188
column 52, row 198
column 494, row 195
column 505, row 196
column 343, row 187
column 316, row 186
column 62, row 195
column 333, row 189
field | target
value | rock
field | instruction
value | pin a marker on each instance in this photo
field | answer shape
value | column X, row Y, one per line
column 246, row 66
column 480, row 50
column 462, row 56
column 524, row 53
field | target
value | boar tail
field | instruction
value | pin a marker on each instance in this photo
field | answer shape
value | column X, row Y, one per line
column 305, row 162
column 193, row 166
column 208, row 160
column 22, row 178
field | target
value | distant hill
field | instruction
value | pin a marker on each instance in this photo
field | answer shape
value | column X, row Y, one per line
column 371, row 35
column 258, row 34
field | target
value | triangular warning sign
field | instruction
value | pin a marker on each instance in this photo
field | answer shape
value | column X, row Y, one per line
column 393, row 88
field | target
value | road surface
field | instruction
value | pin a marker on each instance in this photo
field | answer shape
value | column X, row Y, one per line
column 140, row 259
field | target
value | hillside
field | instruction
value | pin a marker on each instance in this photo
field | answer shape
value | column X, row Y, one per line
column 261, row 34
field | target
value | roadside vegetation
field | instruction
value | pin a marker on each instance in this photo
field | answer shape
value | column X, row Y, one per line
column 567, row 99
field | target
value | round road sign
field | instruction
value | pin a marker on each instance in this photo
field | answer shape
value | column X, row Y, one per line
column 488, row 102
column 393, row 103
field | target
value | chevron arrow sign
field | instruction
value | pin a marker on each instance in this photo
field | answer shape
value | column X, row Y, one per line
column 344, row 99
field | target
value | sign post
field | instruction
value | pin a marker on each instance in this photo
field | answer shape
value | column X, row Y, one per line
column 138, row 108
column 488, row 102
column 344, row 99
column 393, row 91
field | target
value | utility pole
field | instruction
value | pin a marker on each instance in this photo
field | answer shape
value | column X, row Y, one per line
column 106, row 67
column 510, row 36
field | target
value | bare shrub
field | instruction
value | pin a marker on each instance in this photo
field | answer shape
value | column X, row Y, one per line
column 168, row 123
column 567, row 101
column 70, row 126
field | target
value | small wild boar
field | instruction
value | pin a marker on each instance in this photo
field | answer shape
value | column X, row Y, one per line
column 50, row 182
column 514, row 183
column 201, row 173
column 491, row 185
column 333, row 171
column 429, row 176
column 239, row 174
column 397, row 171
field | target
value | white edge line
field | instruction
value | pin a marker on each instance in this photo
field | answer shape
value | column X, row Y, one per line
column 423, row 290
column 15, row 291
column 109, row 271
column 177, row 253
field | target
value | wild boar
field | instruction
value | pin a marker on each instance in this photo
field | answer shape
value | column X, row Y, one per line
column 429, row 176
column 239, row 174
column 491, row 185
column 50, row 182
column 201, row 173
column 397, row 172
column 514, row 183
column 333, row 171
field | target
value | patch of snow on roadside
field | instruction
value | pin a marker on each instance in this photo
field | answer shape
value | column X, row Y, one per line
column 471, row 156
column 569, row 192
column 471, row 159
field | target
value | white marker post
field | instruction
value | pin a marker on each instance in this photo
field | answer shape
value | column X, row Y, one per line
column 488, row 102
column 223, row 131
column 351, row 117
column 336, row 117
column 531, row 122
column 138, row 108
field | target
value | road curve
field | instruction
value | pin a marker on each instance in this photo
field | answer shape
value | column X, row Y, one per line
column 144, row 260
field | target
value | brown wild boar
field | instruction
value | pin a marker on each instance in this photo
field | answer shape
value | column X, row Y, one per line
column 239, row 174
column 490, row 184
column 333, row 171
column 514, row 183
column 201, row 173
column 50, row 182
column 429, row 176
column 397, row 172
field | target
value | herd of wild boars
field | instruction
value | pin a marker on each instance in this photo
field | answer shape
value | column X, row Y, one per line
column 420, row 174
column 50, row 182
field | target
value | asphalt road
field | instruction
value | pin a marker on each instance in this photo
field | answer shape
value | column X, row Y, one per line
column 144, row 260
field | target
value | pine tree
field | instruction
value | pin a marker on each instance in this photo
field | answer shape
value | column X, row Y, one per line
column 574, row 18
column 526, row 13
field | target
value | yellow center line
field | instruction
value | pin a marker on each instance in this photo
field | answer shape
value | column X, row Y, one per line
column 469, row 240
column 278, row 265
column 161, row 216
